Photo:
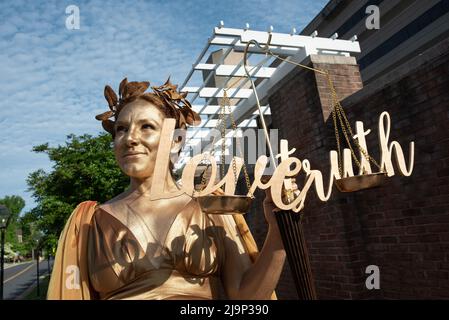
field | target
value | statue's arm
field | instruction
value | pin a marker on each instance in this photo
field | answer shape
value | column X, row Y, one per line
column 243, row 280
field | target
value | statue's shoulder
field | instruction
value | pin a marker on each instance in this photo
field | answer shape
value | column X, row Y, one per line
column 116, row 207
column 80, row 216
column 117, row 201
column 87, row 204
column 116, row 204
column 84, row 212
column 111, row 203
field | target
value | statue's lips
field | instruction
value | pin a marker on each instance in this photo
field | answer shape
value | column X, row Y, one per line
column 133, row 155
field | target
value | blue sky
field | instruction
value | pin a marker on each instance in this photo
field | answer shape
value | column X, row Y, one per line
column 52, row 78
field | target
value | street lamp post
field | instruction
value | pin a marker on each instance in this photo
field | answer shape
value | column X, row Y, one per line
column 5, row 214
column 37, row 239
column 37, row 269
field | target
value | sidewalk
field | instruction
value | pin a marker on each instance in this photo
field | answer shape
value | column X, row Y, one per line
column 31, row 292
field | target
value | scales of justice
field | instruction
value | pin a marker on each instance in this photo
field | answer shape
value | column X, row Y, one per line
column 214, row 199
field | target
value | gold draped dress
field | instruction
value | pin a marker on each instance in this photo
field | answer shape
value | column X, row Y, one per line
column 104, row 254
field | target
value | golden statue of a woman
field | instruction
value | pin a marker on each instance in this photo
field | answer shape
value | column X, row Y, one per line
column 132, row 247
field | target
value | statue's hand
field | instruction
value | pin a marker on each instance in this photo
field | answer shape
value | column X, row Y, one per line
column 270, row 208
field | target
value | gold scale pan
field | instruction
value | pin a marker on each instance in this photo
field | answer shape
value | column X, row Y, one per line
column 225, row 204
column 361, row 182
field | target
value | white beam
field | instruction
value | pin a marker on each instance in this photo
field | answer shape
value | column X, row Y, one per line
column 236, row 71
column 211, row 123
column 240, row 46
column 222, row 41
column 210, row 92
column 198, row 134
column 190, row 89
column 282, row 51
column 299, row 41
column 248, row 123
column 229, row 31
column 215, row 109
column 289, row 40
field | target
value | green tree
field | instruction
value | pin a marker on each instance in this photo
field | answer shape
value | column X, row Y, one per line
column 15, row 204
column 83, row 169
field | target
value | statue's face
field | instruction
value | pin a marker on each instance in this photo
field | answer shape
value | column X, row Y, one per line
column 137, row 135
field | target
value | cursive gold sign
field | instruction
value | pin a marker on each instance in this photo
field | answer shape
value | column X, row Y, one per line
column 288, row 167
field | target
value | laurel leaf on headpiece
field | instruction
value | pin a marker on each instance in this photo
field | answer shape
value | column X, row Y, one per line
column 135, row 88
column 192, row 117
column 104, row 116
column 176, row 104
column 169, row 94
column 110, row 96
column 122, row 87
column 108, row 125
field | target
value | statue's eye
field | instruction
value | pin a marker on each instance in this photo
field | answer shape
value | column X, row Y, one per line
column 147, row 126
column 120, row 128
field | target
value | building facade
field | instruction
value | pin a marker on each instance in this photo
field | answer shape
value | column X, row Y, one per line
column 403, row 227
column 407, row 28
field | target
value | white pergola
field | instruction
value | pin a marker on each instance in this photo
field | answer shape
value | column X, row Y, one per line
column 263, row 70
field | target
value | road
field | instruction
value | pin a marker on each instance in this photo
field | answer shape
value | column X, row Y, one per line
column 18, row 278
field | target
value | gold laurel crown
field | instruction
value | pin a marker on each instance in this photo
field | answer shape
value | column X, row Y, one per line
column 175, row 103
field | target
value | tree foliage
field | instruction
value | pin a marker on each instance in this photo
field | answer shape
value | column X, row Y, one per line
column 83, row 169
column 15, row 204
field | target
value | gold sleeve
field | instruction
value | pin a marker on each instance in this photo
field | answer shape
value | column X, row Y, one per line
column 70, row 279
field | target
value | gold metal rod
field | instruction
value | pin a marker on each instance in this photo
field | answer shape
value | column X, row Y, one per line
column 266, row 49
column 253, row 86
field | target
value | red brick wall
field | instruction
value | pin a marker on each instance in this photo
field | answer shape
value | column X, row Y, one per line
column 403, row 227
